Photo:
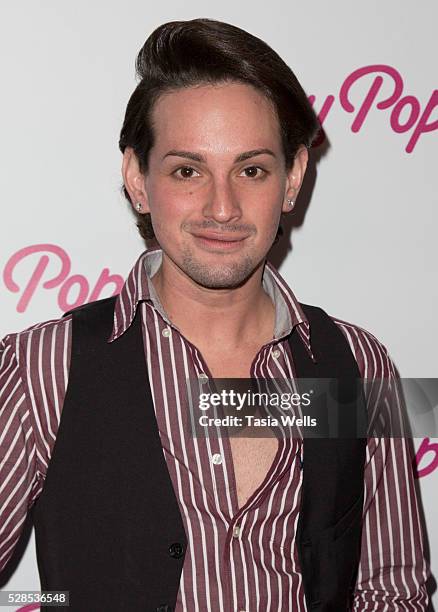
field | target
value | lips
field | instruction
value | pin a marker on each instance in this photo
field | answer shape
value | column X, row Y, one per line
column 220, row 237
column 215, row 241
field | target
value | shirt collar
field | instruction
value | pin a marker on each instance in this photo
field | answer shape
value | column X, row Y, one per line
column 138, row 287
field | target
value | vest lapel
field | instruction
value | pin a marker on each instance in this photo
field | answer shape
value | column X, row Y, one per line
column 329, row 525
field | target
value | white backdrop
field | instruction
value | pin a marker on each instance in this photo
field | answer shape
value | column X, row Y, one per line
column 365, row 249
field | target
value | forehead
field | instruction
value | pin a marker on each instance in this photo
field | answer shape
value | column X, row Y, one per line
column 223, row 117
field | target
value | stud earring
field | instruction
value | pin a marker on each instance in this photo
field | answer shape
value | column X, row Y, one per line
column 138, row 206
column 290, row 202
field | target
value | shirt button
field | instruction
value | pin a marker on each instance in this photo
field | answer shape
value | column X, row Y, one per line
column 176, row 550
column 236, row 531
column 217, row 458
column 202, row 378
column 276, row 353
column 166, row 332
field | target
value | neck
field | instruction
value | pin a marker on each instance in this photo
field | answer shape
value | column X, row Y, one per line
column 230, row 317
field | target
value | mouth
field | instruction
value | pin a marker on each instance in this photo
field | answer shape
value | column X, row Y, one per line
column 219, row 242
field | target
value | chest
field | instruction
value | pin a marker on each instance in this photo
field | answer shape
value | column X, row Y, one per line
column 252, row 459
column 252, row 456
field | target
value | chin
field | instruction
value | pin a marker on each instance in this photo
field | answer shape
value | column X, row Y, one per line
column 220, row 276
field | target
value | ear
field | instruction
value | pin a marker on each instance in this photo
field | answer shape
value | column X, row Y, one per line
column 133, row 180
column 295, row 177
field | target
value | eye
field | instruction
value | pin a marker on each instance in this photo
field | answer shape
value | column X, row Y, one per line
column 254, row 172
column 186, row 172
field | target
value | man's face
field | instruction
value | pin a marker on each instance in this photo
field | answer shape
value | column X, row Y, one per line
column 215, row 206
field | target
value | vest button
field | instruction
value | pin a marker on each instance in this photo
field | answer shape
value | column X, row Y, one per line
column 176, row 550
column 164, row 608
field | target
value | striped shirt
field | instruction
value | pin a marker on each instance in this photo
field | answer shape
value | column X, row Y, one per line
column 238, row 558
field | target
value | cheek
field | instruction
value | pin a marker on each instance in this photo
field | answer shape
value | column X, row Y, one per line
column 269, row 220
column 169, row 212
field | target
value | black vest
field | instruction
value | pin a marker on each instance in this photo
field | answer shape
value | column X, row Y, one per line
column 107, row 523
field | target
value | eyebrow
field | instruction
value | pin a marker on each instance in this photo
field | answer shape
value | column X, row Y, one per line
column 239, row 158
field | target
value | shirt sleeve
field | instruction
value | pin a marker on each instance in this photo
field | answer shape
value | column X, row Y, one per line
column 392, row 571
column 20, row 481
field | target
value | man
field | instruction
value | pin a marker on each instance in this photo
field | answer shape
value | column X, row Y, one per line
column 133, row 512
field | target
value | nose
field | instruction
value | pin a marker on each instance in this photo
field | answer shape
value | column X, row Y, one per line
column 222, row 203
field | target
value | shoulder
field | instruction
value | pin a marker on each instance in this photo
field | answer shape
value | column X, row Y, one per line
column 52, row 336
column 26, row 344
column 370, row 353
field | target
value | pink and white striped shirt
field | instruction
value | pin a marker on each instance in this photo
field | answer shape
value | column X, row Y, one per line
column 237, row 559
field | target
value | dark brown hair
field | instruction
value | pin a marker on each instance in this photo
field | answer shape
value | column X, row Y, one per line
column 204, row 51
